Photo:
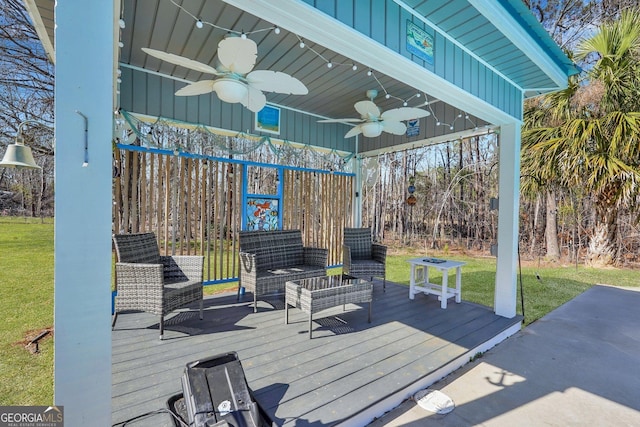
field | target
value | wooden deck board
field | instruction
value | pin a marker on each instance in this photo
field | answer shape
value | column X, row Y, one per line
column 349, row 364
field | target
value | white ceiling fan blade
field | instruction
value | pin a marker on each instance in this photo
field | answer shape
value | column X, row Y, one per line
column 396, row 128
column 367, row 109
column 197, row 88
column 254, row 100
column 357, row 130
column 237, row 54
column 404, row 113
column 276, row 81
column 340, row 121
column 181, row 61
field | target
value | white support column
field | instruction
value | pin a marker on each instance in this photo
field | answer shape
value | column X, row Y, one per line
column 508, row 220
column 84, row 40
column 357, row 193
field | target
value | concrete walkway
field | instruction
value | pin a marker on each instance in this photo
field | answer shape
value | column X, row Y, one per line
column 577, row 366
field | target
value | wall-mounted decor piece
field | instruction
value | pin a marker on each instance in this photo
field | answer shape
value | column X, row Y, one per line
column 268, row 120
column 419, row 42
column 413, row 127
column 262, row 213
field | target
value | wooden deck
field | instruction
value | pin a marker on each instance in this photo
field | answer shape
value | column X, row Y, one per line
column 349, row 373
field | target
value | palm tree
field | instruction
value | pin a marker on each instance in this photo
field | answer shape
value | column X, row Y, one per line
column 590, row 135
column 541, row 175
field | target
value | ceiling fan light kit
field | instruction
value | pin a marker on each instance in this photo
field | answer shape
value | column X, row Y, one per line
column 230, row 90
column 371, row 129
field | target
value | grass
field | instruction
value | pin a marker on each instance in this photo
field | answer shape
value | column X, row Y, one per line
column 556, row 284
column 26, row 299
column 26, row 304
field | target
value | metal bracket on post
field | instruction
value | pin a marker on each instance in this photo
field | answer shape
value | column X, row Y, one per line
column 493, row 204
column 86, row 139
column 494, row 250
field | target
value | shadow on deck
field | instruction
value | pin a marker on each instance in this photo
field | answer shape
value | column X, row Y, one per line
column 349, row 373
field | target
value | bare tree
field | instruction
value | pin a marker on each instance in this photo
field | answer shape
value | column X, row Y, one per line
column 26, row 93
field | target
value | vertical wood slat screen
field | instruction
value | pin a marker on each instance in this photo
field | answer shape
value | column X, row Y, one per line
column 319, row 205
column 195, row 205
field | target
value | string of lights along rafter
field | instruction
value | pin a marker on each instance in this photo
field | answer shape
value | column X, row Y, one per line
column 229, row 89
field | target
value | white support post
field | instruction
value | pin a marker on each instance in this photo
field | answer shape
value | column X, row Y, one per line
column 508, row 215
column 357, row 193
column 84, row 40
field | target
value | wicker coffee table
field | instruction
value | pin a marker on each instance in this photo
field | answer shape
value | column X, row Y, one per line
column 319, row 293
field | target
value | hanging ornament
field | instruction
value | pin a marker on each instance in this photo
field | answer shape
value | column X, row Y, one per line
column 411, row 200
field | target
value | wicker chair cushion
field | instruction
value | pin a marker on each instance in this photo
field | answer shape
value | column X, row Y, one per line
column 359, row 241
column 139, row 248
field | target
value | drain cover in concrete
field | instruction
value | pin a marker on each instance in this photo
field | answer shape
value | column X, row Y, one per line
column 434, row 401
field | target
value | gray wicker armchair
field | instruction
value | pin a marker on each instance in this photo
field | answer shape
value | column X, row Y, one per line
column 146, row 281
column 361, row 257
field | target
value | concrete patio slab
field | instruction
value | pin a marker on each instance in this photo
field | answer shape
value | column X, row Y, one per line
column 579, row 365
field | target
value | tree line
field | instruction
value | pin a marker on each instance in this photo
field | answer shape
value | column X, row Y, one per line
column 454, row 187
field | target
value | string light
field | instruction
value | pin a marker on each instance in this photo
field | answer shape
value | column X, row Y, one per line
column 301, row 43
column 451, row 125
column 201, row 23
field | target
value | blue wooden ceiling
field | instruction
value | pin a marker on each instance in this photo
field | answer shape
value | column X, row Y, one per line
column 509, row 44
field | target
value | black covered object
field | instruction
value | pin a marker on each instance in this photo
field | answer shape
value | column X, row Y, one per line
column 216, row 394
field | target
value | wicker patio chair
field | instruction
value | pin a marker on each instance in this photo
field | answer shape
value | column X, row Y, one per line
column 146, row 281
column 361, row 257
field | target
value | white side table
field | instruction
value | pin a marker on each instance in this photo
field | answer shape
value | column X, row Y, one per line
column 420, row 279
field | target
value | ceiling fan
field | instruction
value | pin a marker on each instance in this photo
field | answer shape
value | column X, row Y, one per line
column 373, row 121
column 235, row 81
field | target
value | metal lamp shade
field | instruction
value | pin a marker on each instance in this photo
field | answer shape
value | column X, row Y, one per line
column 18, row 156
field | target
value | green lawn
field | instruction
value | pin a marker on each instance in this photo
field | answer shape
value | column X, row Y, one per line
column 556, row 285
column 26, row 299
column 26, row 304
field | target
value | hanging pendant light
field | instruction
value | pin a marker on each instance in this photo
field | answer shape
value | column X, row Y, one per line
column 18, row 155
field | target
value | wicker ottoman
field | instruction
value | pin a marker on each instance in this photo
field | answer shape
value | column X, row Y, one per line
column 320, row 293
